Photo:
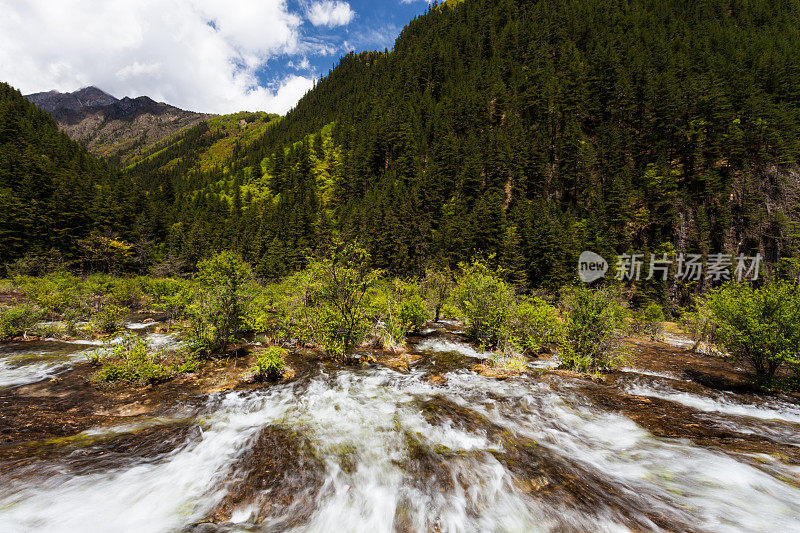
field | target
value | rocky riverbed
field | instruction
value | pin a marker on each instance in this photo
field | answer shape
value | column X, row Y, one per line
column 418, row 441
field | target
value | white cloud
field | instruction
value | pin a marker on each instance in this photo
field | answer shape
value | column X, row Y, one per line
column 330, row 13
column 201, row 55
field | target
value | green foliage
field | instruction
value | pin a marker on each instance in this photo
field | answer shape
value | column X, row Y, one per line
column 534, row 325
column 276, row 311
column 592, row 339
column 71, row 323
column 485, row 301
column 176, row 304
column 270, row 364
column 127, row 292
column 496, row 318
column 412, row 312
column 217, row 314
column 52, row 192
column 129, row 362
column 437, row 284
column 400, row 309
column 56, row 292
column 18, row 320
column 759, row 325
column 700, row 325
column 335, row 309
column 109, row 319
column 509, row 363
column 527, row 130
column 649, row 321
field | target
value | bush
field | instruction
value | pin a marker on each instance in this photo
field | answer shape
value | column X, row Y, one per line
column 18, row 320
column 126, row 292
column 277, row 310
column 109, row 319
column 270, row 364
column 176, row 305
column 335, row 308
column 412, row 313
column 510, row 363
column 129, row 362
column 217, row 315
column 649, row 322
column 759, row 326
column 438, row 284
column 534, row 325
column 485, row 302
column 592, row 340
column 400, row 309
column 700, row 326
column 56, row 292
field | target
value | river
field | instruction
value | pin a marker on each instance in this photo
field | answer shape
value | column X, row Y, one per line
column 373, row 449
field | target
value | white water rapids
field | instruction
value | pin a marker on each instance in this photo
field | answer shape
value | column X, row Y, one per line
column 22, row 363
column 364, row 426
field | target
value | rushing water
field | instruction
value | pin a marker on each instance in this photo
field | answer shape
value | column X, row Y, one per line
column 377, row 450
column 29, row 362
column 26, row 362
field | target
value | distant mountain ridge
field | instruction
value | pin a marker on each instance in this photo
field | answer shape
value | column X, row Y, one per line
column 52, row 101
column 110, row 127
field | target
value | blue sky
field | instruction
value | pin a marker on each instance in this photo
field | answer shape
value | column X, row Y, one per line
column 217, row 56
column 374, row 26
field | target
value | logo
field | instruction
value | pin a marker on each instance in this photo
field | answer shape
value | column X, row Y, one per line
column 591, row 267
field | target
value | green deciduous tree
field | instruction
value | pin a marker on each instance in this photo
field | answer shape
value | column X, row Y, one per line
column 760, row 326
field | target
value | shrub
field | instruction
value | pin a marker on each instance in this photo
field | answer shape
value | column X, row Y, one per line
column 534, row 324
column 71, row 323
column 700, row 326
column 438, row 284
column 335, row 307
column 760, row 326
column 48, row 331
column 485, row 302
column 399, row 309
column 18, row 320
column 509, row 363
column 129, row 362
column 412, row 313
column 109, row 319
column 450, row 311
column 56, row 292
column 217, row 315
column 277, row 310
column 126, row 292
column 649, row 322
column 177, row 305
column 270, row 364
column 592, row 340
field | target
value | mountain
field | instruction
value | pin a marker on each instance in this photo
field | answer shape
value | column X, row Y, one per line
column 523, row 131
column 526, row 131
column 53, row 194
column 113, row 128
column 53, row 101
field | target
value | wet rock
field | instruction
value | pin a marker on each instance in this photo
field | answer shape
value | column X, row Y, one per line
column 103, row 449
column 439, row 410
column 278, row 476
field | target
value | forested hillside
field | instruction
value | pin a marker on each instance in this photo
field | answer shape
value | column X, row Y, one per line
column 524, row 131
column 58, row 204
column 532, row 131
